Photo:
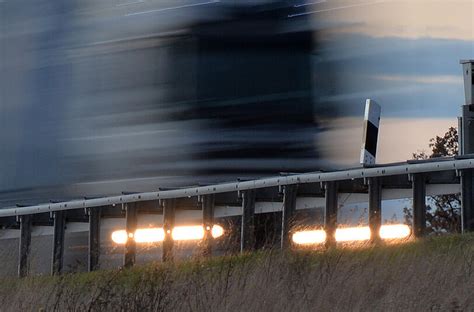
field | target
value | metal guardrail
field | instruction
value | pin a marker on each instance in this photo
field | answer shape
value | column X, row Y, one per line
column 327, row 195
column 431, row 165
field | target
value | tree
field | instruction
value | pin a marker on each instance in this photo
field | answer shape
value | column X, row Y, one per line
column 443, row 212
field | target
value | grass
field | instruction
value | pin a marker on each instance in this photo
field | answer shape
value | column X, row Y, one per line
column 433, row 274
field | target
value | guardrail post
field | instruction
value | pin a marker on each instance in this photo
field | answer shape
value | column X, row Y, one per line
column 169, row 207
column 247, row 233
column 289, row 208
column 58, row 242
column 330, row 219
column 25, row 244
column 419, row 204
column 467, row 207
column 375, row 208
column 94, row 238
column 131, row 227
column 207, row 202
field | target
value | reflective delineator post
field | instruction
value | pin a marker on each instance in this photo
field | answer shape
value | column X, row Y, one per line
column 58, row 242
column 131, row 227
column 169, row 210
column 289, row 208
column 419, row 204
column 368, row 151
column 94, row 238
column 468, row 77
column 330, row 216
column 375, row 208
column 247, row 234
column 25, row 244
column 207, row 203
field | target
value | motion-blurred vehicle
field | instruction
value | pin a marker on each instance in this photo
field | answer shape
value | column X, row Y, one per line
column 115, row 96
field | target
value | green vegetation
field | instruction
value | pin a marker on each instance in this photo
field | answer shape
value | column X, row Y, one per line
column 443, row 213
column 431, row 274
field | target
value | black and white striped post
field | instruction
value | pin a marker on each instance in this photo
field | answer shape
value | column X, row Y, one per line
column 371, row 132
column 368, row 155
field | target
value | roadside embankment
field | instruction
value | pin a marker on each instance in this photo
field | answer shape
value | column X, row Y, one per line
column 434, row 274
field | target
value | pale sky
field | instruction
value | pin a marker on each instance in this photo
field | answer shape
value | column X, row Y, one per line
column 444, row 19
column 398, row 138
column 405, row 55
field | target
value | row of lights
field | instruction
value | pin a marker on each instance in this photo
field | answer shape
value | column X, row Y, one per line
column 387, row 232
column 155, row 235
column 308, row 237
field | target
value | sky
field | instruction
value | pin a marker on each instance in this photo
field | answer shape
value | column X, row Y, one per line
column 405, row 56
column 402, row 54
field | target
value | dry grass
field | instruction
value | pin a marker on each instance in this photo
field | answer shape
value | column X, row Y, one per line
column 435, row 274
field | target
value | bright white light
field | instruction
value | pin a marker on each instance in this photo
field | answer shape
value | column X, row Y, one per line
column 195, row 232
column 119, row 237
column 394, row 231
column 192, row 232
column 353, row 234
column 153, row 235
column 150, row 235
column 217, row 231
column 309, row 237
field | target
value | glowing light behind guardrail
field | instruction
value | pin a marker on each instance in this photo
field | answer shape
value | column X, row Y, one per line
column 353, row 234
column 395, row 231
column 154, row 235
column 217, row 231
column 119, row 237
column 392, row 231
column 187, row 233
column 150, row 235
column 309, row 237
